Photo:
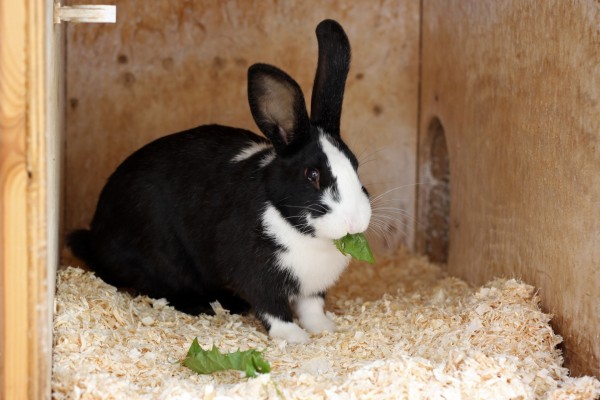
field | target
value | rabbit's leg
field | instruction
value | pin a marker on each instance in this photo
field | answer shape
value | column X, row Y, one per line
column 277, row 319
column 311, row 314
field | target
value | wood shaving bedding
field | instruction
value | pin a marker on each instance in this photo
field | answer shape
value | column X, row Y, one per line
column 405, row 330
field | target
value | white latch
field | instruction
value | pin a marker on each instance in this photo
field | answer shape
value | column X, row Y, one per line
column 85, row 14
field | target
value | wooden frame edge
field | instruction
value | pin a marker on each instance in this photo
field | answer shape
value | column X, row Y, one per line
column 25, row 315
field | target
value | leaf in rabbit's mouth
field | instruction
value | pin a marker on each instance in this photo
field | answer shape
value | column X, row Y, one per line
column 357, row 246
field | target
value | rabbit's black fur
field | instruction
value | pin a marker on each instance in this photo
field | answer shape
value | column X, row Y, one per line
column 218, row 213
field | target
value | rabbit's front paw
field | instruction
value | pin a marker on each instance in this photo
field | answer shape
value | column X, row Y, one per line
column 311, row 315
column 317, row 323
column 288, row 331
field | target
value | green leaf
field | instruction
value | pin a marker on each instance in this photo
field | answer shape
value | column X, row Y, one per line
column 357, row 246
column 209, row 361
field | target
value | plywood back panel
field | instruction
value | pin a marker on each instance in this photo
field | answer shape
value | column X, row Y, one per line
column 170, row 65
column 516, row 88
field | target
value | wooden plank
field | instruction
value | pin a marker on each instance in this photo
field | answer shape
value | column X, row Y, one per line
column 39, row 309
column 168, row 66
column 55, row 79
column 25, row 296
column 515, row 86
column 51, row 107
column 13, row 198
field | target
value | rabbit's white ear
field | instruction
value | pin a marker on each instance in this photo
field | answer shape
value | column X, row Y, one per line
column 277, row 105
column 330, row 79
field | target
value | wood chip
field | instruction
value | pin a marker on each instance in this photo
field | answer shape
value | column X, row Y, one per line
column 405, row 330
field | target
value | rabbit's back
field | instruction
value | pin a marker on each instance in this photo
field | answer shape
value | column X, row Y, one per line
column 169, row 208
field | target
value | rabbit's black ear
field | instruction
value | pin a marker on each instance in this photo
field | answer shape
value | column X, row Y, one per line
column 330, row 79
column 277, row 105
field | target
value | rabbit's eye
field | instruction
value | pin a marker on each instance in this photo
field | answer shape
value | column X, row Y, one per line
column 313, row 175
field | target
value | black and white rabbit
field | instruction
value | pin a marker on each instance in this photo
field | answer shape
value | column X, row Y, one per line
column 219, row 213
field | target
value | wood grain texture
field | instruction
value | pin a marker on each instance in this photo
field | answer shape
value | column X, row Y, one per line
column 25, row 294
column 171, row 65
column 13, row 202
column 516, row 86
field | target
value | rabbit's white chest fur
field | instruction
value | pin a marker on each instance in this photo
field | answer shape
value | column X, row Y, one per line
column 315, row 262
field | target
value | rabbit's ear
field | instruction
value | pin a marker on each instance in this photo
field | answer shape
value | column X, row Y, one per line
column 277, row 105
column 330, row 79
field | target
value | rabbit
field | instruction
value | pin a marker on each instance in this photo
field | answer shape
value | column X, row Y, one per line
column 220, row 213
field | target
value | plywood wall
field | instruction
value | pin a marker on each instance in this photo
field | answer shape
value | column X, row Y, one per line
column 516, row 86
column 171, row 65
